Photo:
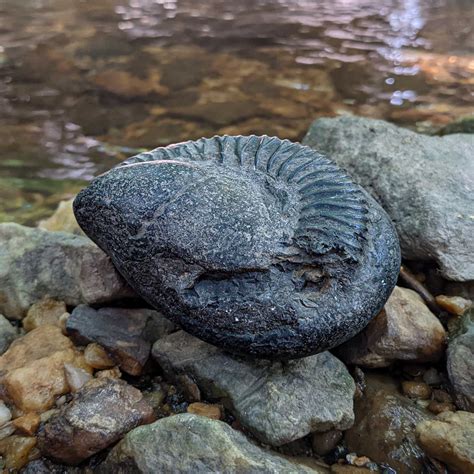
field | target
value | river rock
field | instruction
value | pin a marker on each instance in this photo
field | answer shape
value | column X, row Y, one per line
column 16, row 451
column 100, row 414
column 384, row 428
column 63, row 220
column 278, row 402
column 7, row 334
column 404, row 330
column 424, row 183
column 190, row 444
column 46, row 311
column 254, row 244
column 449, row 438
column 124, row 333
column 460, row 360
column 70, row 268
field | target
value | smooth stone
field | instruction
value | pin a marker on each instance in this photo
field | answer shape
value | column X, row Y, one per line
column 323, row 443
column 126, row 334
column 424, row 183
column 404, row 330
column 194, row 444
column 278, row 402
column 96, row 356
column 205, row 409
column 450, row 439
column 45, row 311
column 254, row 244
column 69, row 268
column 460, row 360
column 99, row 415
column 456, row 305
column 384, row 427
column 8, row 333
column 76, row 377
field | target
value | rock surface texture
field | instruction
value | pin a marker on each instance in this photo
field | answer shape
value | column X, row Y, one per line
column 190, row 444
column 424, row 183
column 69, row 268
column 254, row 244
column 278, row 402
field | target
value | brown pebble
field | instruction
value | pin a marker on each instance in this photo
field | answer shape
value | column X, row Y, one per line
column 15, row 451
column 323, row 443
column 109, row 373
column 454, row 304
column 46, row 311
column 27, row 424
column 189, row 387
column 419, row 390
column 361, row 461
column 440, row 407
column 204, row 409
column 442, row 396
column 97, row 357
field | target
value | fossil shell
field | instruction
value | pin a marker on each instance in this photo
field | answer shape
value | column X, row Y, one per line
column 255, row 244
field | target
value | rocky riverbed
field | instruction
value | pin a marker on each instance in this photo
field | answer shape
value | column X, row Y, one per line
column 94, row 380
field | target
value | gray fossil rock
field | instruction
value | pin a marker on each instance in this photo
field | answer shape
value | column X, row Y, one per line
column 257, row 245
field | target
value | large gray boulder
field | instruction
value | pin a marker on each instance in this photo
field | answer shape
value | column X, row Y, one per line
column 278, row 402
column 426, row 184
column 35, row 263
column 257, row 245
column 194, row 444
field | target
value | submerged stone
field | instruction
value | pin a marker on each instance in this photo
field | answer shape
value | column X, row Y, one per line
column 255, row 244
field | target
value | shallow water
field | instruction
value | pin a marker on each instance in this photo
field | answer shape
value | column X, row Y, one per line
column 84, row 84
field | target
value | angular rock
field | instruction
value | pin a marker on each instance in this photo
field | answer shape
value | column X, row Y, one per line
column 100, row 414
column 63, row 220
column 404, row 330
column 449, row 438
column 205, row 409
column 191, row 443
column 7, row 334
column 254, row 244
column 96, row 356
column 384, row 428
column 46, row 311
column 17, row 451
column 67, row 267
column 454, row 304
column 278, row 402
column 124, row 333
column 28, row 424
column 460, row 361
column 424, row 183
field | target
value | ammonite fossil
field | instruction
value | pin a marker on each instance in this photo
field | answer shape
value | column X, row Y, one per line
column 258, row 245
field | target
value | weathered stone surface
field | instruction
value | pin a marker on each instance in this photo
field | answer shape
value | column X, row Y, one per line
column 70, row 268
column 63, row 220
column 124, row 333
column 45, row 311
column 28, row 424
column 7, row 334
column 454, row 304
column 16, row 451
column 277, row 401
column 190, row 444
column 460, row 361
column 96, row 356
column 205, row 409
column 424, row 183
column 254, row 244
column 449, row 438
column 404, row 330
column 100, row 414
column 384, row 428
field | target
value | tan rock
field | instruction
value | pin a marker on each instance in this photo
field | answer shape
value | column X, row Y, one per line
column 205, row 409
column 454, row 304
column 38, row 343
column 46, row 311
column 27, row 424
column 440, row 407
column 450, row 439
column 16, row 451
column 34, row 386
column 97, row 357
column 63, row 220
column 417, row 390
column 404, row 330
column 109, row 373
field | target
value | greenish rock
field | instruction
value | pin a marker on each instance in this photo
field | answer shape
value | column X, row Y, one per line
column 194, row 444
column 278, row 402
column 460, row 360
column 461, row 125
column 35, row 263
column 7, row 334
column 424, row 183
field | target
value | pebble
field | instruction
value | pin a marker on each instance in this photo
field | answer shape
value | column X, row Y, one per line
column 113, row 373
column 7, row 333
column 450, row 439
column 417, row 390
column 323, row 443
column 205, row 409
column 6, row 430
column 442, row 396
column 46, row 311
column 28, row 424
column 97, row 357
column 440, row 407
column 17, row 451
column 5, row 414
column 432, row 377
column 454, row 304
column 76, row 377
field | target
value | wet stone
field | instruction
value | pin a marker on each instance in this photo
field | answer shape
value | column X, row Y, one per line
column 124, row 333
column 255, row 244
column 100, row 414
